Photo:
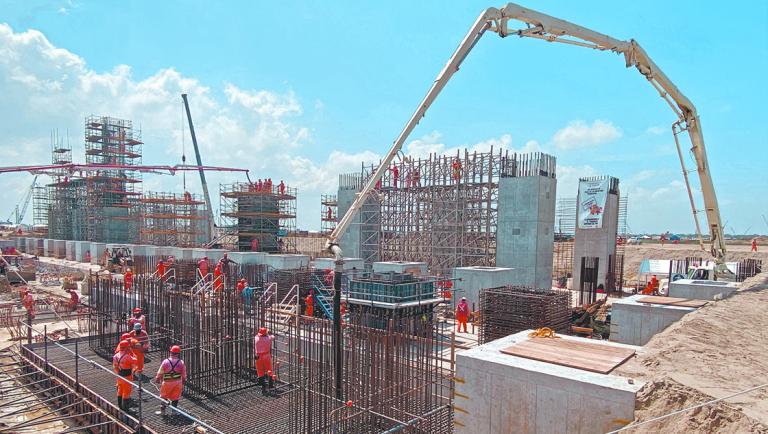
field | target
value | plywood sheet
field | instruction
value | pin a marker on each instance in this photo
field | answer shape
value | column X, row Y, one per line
column 575, row 354
column 673, row 301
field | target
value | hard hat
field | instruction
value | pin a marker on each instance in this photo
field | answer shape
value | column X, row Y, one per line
column 175, row 349
column 243, row 279
column 263, row 331
column 464, row 298
column 137, row 326
column 124, row 345
column 125, row 336
column 136, row 310
column 128, row 270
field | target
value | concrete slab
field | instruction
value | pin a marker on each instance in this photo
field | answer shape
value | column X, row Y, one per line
column 473, row 279
column 247, row 257
column 702, row 289
column 500, row 393
column 286, row 261
column 636, row 323
column 330, row 264
column 415, row 268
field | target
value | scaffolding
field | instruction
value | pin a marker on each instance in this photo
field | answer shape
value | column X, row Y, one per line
column 168, row 219
column 440, row 209
column 260, row 218
column 329, row 212
column 565, row 231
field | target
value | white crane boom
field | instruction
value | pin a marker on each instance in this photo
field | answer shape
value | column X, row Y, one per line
column 542, row 26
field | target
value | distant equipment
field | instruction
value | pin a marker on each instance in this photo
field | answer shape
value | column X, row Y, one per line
column 21, row 208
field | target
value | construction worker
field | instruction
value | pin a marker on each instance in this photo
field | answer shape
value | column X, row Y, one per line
column 281, row 187
column 328, row 277
column 652, row 288
column 203, row 265
column 187, row 197
column 138, row 317
column 255, row 245
column 128, row 280
column 161, row 270
column 226, row 267
column 395, row 175
column 329, row 214
column 754, row 245
column 309, row 304
column 74, row 299
column 259, row 185
column 140, row 347
column 446, row 286
column 124, row 364
column 462, row 314
column 171, row 376
column 263, row 347
column 125, row 337
column 87, row 256
column 456, row 169
column 29, row 304
column 218, row 279
column 241, row 284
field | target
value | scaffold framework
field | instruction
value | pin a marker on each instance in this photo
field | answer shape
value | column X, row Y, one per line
column 168, row 219
column 329, row 212
column 260, row 217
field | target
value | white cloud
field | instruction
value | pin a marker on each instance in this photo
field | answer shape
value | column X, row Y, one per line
column 579, row 135
column 568, row 178
column 657, row 130
column 432, row 144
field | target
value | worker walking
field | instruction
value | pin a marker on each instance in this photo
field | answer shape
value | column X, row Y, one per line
column 29, row 304
column 128, row 280
column 754, row 245
column 138, row 317
column 281, row 187
column 263, row 348
column 218, row 280
column 124, row 364
column 140, row 346
column 171, row 376
column 125, row 337
column 310, row 311
column 203, row 265
column 161, row 270
column 462, row 315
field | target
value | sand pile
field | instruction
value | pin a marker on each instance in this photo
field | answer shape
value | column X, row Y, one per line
column 714, row 352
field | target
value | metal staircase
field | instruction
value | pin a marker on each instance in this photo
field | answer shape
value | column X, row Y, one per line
column 322, row 296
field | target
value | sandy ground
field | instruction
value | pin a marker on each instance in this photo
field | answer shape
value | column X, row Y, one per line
column 712, row 353
column 635, row 254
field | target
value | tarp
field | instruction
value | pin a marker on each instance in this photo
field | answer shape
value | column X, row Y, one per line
column 592, row 197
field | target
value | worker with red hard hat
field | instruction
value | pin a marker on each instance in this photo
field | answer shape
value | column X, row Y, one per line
column 125, row 337
column 138, row 317
column 128, row 280
column 140, row 346
column 124, row 364
column 171, row 376
column 263, row 348
column 241, row 284
column 462, row 315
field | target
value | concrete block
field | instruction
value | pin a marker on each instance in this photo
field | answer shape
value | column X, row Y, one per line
column 32, row 245
column 702, row 289
column 247, row 257
column 286, row 261
column 330, row 264
column 473, row 279
column 82, row 249
column 500, row 393
column 636, row 323
column 59, row 249
column 184, row 254
column 39, row 247
column 597, row 242
column 166, row 251
column 21, row 245
column 69, row 253
column 415, row 268
column 49, row 247
column 97, row 253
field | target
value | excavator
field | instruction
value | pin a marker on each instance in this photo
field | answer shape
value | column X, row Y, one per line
column 550, row 29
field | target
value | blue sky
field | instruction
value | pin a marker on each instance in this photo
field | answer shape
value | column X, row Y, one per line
column 303, row 90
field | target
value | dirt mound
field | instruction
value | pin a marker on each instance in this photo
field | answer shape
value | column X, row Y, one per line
column 715, row 352
column 658, row 397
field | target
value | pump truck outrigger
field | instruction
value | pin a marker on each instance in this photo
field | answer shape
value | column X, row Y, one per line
column 550, row 29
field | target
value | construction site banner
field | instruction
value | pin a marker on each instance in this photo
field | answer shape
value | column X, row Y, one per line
column 592, row 197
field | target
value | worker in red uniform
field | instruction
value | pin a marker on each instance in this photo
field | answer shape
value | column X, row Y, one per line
column 125, row 337
column 310, row 311
column 140, row 347
column 124, row 364
column 329, row 214
column 446, row 286
column 754, row 245
column 218, row 279
column 395, row 175
column 74, row 300
column 161, row 270
column 128, row 280
column 138, row 317
column 29, row 304
column 462, row 314
column 652, row 288
column 259, row 185
column 328, row 277
column 456, row 169
column 203, row 265
column 281, row 187
column 241, row 284
column 171, row 376
column 263, row 348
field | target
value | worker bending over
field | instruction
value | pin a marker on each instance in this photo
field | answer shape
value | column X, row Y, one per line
column 652, row 288
column 171, row 376
column 462, row 314
column 29, row 304
column 74, row 299
column 140, row 347
column 263, row 348
column 124, row 364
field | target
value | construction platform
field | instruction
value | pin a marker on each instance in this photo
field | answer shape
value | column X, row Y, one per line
column 242, row 411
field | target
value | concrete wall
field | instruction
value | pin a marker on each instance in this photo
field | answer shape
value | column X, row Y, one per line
column 81, row 247
column 330, row 264
column 70, row 250
column 97, row 253
column 350, row 241
column 636, row 323
column 701, row 289
column 416, row 268
column 525, row 235
column 500, row 393
column 597, row 242
column 49, row 247
column 473, row 279
column 286, row 261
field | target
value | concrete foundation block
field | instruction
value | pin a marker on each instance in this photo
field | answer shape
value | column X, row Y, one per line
column 59, row 249
column 702, row 289
column 247, row 257
column 39, row 247
column 82, row 249
column 473, row 279
column 500, row 393
column 21, row 245
column 69, row 252
column 286, row 261
column 49, row 247
column 636, row 323
column 415, row 268
column 349, row 263
column 97, row 253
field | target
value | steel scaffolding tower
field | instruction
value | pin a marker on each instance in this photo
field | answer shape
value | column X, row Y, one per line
column 261, row 219
column 329, row 212
column 168, row 219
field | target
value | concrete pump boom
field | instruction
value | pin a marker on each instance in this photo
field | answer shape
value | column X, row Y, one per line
column 542, row 26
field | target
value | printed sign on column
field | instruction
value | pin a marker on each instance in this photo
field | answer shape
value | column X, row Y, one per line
column 592, row 198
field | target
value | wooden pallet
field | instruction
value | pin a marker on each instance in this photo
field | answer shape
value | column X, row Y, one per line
column 588, row 356
column 673, row 301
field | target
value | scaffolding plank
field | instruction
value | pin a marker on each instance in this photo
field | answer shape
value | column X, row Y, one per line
column 587, row 356
column 673, row 301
